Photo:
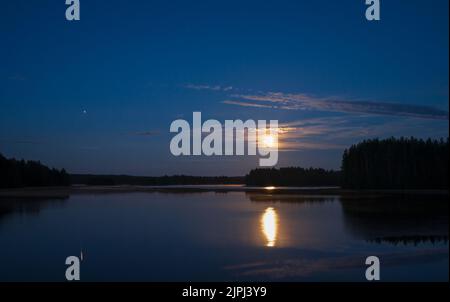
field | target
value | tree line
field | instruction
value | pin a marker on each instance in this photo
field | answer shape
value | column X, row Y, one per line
column 393, row 163
column 111, row 180
column 292, row 176
column 19, row 173
column 404, row 163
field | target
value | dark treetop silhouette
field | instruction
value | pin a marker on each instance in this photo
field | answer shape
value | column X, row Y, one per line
column 14, row 174
column 111, row 180
column 293, row 176
column 405, row 163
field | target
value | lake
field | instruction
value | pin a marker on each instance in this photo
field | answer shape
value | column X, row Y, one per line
column 224, row 236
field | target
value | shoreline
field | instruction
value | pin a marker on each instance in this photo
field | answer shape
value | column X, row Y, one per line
column 65, row 192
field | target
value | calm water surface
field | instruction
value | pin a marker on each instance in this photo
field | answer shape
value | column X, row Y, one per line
column 223, row 237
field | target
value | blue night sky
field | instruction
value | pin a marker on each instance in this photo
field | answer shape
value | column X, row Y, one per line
column 98, row 95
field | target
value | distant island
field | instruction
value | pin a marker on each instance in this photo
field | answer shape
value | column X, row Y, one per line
column 111, row 180
column 293, row 177
column 399, row 164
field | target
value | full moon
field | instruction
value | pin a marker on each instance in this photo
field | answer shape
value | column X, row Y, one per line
column 268, row 141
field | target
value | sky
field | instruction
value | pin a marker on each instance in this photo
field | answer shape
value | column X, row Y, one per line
column 98, row 95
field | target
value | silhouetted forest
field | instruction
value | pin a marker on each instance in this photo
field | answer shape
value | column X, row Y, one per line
column 111, row 180
column 405, row 163
column 20, row 173
column 292, row 176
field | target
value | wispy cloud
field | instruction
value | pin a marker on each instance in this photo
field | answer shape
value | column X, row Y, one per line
column 146, row 133
column 286, row 146
column 346, row 121
column 319, row 133
column 301, row 101
column 208, row 87
column 246, row 104
column 331, row 127
column 338, row 132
